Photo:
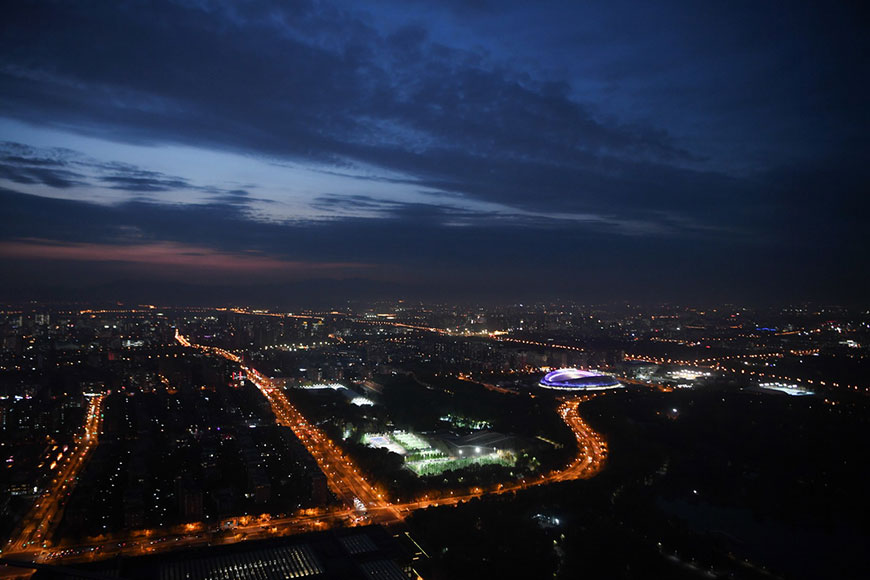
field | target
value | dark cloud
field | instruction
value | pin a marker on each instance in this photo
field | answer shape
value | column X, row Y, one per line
column 53, row 177
column 144, row 181
column 333, row 202
column 65, row 168
column 694, row 135
column 235, row 197
column 408, row 212
column 494, row 260
column 292, row 88
column 26, row 165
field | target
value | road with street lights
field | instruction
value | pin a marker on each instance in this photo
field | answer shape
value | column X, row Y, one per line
column 37, row 527
column 364, row 504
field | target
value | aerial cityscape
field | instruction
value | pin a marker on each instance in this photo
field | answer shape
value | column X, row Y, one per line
column 434, row 290
column 141, row 430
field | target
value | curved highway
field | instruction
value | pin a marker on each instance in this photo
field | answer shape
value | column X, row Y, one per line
column 364, row 503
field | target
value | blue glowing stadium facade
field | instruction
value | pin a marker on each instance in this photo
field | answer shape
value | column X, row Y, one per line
column 577, row 380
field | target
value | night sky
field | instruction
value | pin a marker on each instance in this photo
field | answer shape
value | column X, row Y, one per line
column 473, row 150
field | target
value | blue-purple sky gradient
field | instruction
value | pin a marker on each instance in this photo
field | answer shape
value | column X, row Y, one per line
column 475, row 149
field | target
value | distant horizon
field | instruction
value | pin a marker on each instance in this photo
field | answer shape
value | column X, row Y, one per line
column 352, row 303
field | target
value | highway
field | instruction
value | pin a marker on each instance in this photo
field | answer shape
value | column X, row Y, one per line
column 342, row 476
column 364, row 503
column 346, row 481
column 591, row 455
column 141, row 542
column 35, row 530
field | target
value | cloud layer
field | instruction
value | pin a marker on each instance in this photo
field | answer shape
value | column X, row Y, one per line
column 428, row 139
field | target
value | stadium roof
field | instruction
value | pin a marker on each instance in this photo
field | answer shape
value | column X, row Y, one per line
column 578, row 380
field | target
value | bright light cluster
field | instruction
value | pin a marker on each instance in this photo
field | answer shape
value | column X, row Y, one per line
column 578, row 380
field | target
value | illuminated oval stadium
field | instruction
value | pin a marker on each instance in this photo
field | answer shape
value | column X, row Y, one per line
column 577, row 380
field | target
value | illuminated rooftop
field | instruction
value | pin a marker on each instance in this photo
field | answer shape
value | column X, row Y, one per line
column 578, row 380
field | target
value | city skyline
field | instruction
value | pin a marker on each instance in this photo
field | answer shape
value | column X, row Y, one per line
column 433, row 440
